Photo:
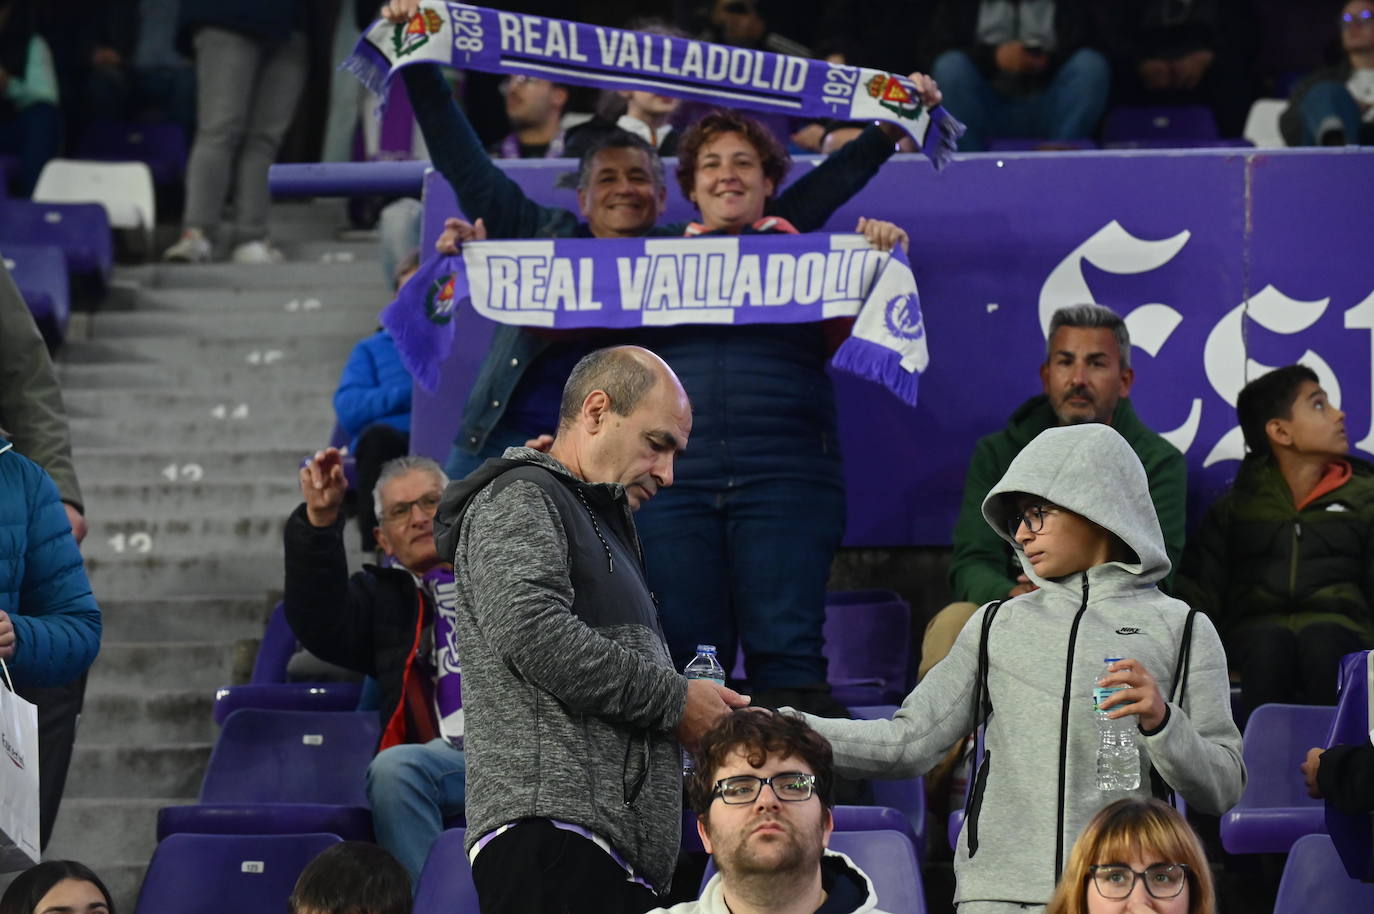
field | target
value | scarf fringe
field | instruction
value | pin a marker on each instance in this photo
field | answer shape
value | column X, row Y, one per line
column 872, row 362
column 946, row 141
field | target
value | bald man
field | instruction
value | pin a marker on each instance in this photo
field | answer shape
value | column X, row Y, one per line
column 574, row 713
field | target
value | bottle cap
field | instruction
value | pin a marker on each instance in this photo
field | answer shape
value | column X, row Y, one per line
column 706, row 648
column 1104, row 659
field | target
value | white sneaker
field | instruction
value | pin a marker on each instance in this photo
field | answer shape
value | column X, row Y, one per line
column 191, row 247
column 261, row 251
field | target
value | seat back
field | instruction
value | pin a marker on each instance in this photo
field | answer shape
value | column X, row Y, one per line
column 266, row 756
column 40, row 272
column 162, row 147
column 1353, row 834
column 125, row 189
column 1262, row 123
column 906, row 795
column 226, row 874
column 1127, row 125
column 446, row 885
column 81, row 230
column 1314, row 879
column 1275, row 744
column 868, row 644
column 278, row 644
column 889, row 859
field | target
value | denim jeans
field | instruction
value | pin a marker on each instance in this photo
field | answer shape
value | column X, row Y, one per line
column 1327, row 105
column 1069, row 107
column 412, row 789
column 34, row 135
column 460, row 463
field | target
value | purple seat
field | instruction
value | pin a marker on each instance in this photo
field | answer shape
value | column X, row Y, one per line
column 889, row 859
column 276, row 771
column 287, row 696
column 1353, row 835
column 1275, row 809
column 81, row 230
column 1314, row 879
column 446, row 881
column 1127, row 125
column 868, row 646
column 226, row 874
column 278, row 644
column 906, row 795
column 874, row 818
column 40, row 272
column 162, row 147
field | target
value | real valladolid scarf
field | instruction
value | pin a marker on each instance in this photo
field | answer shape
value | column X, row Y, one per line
column 494, row 41
column 580, row 283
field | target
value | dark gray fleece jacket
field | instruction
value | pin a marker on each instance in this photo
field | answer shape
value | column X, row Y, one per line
column 569, row 694
column 1036, row 788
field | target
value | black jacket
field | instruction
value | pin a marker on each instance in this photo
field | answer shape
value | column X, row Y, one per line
column 369, row 622
column 1346, row 778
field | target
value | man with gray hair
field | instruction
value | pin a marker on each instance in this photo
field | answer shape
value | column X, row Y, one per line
column 1086, row 377
column 393, row 623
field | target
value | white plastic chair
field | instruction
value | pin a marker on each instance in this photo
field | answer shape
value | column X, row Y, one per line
column 125, row 189
column 1262, row 124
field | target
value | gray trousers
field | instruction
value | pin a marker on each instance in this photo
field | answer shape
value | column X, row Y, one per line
column 246, row 95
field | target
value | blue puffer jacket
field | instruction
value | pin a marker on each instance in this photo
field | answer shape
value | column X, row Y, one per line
column 43, row 583
column 374, row 387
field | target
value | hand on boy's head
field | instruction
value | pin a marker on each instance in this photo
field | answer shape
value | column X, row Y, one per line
column 1141, row 696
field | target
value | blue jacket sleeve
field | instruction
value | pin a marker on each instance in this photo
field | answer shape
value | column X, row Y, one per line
column 483, row 190
column 364, row 395
column 57, row 628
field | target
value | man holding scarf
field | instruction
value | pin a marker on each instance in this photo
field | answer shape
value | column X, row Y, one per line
column 392, row 623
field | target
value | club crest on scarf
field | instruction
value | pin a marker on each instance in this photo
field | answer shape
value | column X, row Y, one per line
column 904, row 321
column 439, row 300
column 893, row 96
column 413, row 35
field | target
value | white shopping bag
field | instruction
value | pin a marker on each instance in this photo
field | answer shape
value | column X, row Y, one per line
column 18, row 779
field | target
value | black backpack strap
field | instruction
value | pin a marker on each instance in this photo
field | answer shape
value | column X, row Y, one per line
column 1177, row 691
column 982, row 704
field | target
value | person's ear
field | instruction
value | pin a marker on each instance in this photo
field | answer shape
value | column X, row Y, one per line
column 596, row 409
column 829, row 828
column 1045, row 375
column 1127, row 380
column 1278, row 431
column 383, row 540
column 704, row 835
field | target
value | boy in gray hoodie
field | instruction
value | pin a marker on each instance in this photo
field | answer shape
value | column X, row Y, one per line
column 1075, row 504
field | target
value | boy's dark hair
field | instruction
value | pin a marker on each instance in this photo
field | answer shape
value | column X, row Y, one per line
column 352, row 877
column 30, row 886
column 759, row 734
column 772, row 157
column 1270, row 396
column 619, row 139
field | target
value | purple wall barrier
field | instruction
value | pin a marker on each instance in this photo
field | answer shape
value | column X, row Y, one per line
column 1223, row 262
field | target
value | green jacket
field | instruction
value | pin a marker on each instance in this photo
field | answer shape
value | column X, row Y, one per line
column 1257, row 558
column 983, row 568
column 30, row 400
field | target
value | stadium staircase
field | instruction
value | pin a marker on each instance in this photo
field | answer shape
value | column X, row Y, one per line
column 194, row 392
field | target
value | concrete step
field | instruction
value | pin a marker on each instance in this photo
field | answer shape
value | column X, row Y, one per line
column 145, row 717
column 305, row 432
column 251, row 372
column 189, row 618
column 258, row 402
column 327, row 352
column 226, row 320
column 186, row 573
column 182, row 535
column 127, row 465
column 96, row 830
column 150, row 770
column 213, row 498
column 170, row 303
column 197, row 666
column 345, row 266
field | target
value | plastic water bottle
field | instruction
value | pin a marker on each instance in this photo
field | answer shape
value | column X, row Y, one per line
column 703, row 666
column 1118, row 759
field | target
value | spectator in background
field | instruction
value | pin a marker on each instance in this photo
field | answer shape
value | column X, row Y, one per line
column 131, row 69
column 1335, row 106
column 535, row 109
column 394, row 624
column 1281, row 562
column 250, row 69
column 30, row 122
column 57, row 887
column 372, row 404
column 1182, row 52
column 1136, row 856
column 1019, row 68
column 351, row 877
column 644, row 114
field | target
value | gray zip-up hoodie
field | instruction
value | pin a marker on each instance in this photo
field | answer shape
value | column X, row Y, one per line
column 1036, row 787
column 569, row 695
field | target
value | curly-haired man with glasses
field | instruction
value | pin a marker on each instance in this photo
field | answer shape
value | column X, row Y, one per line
column 762, row 790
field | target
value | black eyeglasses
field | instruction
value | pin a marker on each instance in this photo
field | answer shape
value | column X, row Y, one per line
column 1162, row 880
column 789, row 787
column 1033, row 517
column 400, row 511
column 1362, row 17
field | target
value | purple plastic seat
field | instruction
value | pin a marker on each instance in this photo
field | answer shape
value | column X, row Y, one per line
column 1275, row 809
column 81, row 230
column 162, row 147
column 446, row 881
column 40, row 272
column 278, row 644
column 292, row 771
column 1314, row 879
column 906, row 795
column 868, row 646
column 1353, row 834
column 1127, row 125
column 287, row 696
column 226, row 874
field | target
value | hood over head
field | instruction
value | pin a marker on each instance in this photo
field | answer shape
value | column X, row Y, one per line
column 460, row 492
column 1090, row 470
